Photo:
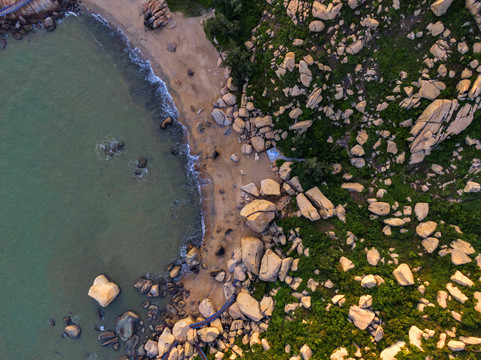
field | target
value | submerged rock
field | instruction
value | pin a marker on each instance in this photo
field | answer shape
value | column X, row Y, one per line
column 124, row 326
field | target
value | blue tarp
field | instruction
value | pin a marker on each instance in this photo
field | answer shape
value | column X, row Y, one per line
column 14, row 7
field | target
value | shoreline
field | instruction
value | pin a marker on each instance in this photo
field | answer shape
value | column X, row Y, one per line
column 221, row 197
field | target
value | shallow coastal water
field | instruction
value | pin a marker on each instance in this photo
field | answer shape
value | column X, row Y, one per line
column 69, row 213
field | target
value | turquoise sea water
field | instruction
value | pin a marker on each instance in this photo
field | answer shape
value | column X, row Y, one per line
column 67, row 213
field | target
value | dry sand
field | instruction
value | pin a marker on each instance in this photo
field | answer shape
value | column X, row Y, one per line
column 221, row 198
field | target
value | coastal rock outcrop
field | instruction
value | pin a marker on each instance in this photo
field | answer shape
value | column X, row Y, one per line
column 249, row 306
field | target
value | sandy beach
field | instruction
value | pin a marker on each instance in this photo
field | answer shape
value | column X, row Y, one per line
column 221, row 198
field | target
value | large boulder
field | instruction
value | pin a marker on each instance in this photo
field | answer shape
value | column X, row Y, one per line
column 421, row 210
column 361, row 318
column 252, row 250
column 151, row 348
column 379, row 208
column 259, row 214
column 403, row 275
column 440, row 7
column 270, row 266
column 472, row 187
column 72, row 331
column 426, row 229
column 306, row 208
column 193, row 257
column 165, row 341
column 270, row 187
column 324, row 12
column 182, row 327
column 249, row 306
column 103, row 290
column 208, row 334
column 125, row 324
column 220, row 118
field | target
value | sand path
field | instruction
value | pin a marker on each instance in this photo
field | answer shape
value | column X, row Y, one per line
column 221, row 198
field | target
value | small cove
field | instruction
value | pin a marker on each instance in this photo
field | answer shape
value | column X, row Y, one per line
column 68, row 212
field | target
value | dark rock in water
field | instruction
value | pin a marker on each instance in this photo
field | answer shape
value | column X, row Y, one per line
column 110, row 341
column 172, row 47
column 3, row 43
column 49, row 24
column 52, row 322
column 72, row 331
column 220, row 251
column 131, row 345
column 215, row 154
column 17, row 35
column 108, row 151
column 145, row 304
column 100, row 313
column 67, row 320
column 124, row 326
column 143, row 285
column 120, row 145
column 153, row 312
column 138, row 172
column 106, row 335
column 163, row 293
column 166, row 123
column 141, row 162
column 171, row 309
column 170, row 266
column 190, row 72
column 175, row 150
column 116, row 347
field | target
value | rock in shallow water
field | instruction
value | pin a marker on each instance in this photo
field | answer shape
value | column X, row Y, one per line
column 103, row 290
column 72, row 331
column 124, row 327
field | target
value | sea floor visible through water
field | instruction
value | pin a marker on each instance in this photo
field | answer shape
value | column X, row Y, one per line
column 68, row 212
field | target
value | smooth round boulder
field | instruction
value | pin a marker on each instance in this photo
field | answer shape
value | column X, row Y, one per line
column 72, row 331
column 103, row 290
column 426, row 229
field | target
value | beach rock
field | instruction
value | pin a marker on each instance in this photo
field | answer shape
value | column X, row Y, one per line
column 361, row 318
column 270, row 187
column 252, row 250
column 151, row 348
column 72, row 331
column 379, row 208
column 258, row 143
column 270, row 266
column 141, row 162
column 426, row 229
column 403, row 275
column 165, row 341
column 421, row 210
column 143, row 285
column 235, row 157
column 373, row 257
column 306, row 208
column 251, row 189
column 440, row 7
column 103, row 290
column 193, row 257
column 259, row 214
column 124, row 326
column 172, row 47
column 208, row 334
column 285, row 170
column 220, row 118
column 430, row 244
column 49, row 23
column 249, row 306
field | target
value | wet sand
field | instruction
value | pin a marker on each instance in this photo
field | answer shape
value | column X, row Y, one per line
column 221, row 198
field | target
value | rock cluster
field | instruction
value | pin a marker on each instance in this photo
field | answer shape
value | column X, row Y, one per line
column 156, row 14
